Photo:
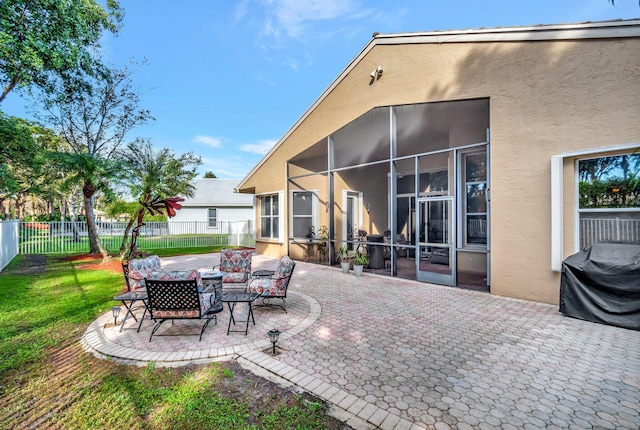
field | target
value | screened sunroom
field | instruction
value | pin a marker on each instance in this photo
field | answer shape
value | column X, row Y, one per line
column 408, row 185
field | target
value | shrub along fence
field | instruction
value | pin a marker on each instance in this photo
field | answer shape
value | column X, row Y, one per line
column 8, row 241
column 71, row 237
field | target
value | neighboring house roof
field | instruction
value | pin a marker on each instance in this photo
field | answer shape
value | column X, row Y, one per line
column 581, row 31
column 217, row 192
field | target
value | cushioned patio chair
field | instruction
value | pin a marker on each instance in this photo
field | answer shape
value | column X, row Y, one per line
column 180, row 296
column 134, row 273
column 137, row 269
column 236, row 266
column 276, row 286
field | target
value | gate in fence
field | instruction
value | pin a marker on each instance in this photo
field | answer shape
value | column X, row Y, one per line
column 72, row 237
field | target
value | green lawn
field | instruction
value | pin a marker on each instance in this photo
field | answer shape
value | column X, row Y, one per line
column 47, row 380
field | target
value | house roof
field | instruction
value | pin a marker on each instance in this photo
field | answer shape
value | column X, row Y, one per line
column 217, row 192
column 580, row 31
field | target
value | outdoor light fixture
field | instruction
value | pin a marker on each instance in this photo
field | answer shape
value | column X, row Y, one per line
column 377, row 72
column 273, row 337
column 116, row 311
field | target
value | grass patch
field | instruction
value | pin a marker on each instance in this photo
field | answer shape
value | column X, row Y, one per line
column 48, row 381
column 39, row 308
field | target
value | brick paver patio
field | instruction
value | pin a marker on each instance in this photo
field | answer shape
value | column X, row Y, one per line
column 397, row 354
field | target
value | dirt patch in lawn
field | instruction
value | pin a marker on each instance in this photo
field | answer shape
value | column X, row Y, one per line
column 32, row 263
column 111, row 265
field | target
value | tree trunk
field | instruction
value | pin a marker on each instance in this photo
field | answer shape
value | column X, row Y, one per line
column 72, row 216
column 8, row 88
column 92, row 229
column 124, row 247
column 19, row 202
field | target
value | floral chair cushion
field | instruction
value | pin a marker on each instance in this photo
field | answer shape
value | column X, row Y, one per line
column 139, row 268
column 206, row 299
column 236, row 265
column 276, row 286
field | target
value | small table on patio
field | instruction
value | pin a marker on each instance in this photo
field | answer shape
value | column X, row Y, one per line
column 231, row 299
column 263, row 274
column 212, row 278
column 139, row 295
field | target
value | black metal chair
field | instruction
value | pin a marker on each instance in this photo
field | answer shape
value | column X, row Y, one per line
column 180, row 296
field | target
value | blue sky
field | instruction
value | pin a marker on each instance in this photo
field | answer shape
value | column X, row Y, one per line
column 226, row 79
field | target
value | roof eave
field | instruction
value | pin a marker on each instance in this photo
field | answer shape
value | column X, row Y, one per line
column 587, row 30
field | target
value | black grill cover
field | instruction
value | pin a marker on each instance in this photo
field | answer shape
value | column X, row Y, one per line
column 602, row 284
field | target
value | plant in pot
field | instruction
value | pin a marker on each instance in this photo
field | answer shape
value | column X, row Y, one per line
column 322, row 245
column 345, row 258
column 359, row 261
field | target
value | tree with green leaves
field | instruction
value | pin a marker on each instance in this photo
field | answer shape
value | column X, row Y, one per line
column 159, row 173
column 26, row 169
column 16, row 153
column 210, row 175
column 44, row 40
column 94, row 114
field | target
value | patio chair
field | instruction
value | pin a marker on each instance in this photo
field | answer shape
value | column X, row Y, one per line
column 236, row 266
column 134, row 273
column 137, row 269
column 275, row 287
column 180, row 296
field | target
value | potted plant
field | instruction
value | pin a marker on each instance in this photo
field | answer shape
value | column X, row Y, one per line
column 322, row 245
column 345, row 258
column 360, row 260
column 311, row 233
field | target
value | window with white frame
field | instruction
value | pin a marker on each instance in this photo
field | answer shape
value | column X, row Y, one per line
column 212, row 217
column 269, row 216
column 609, row 199
column 474, row 196
column 304, row 213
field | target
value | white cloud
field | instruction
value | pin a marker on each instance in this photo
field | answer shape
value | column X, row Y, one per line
column 211, row 141
column 261, row 148
column 290, row 62
column 297, row 19
column 293, row 15
column 240, row 11
column 230, row 167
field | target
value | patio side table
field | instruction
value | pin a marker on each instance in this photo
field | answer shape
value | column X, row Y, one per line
column 213, row 279
column 231, row 299
column 139, row 295
column 263, row 274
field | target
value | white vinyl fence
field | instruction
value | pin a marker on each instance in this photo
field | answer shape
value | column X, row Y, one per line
column 608, row 230
column 72, row 237
column 8, row 241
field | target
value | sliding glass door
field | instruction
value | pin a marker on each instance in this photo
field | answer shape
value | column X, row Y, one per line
column 435, row 259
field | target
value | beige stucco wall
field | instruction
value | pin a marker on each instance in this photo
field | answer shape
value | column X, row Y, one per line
column 545, row 98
